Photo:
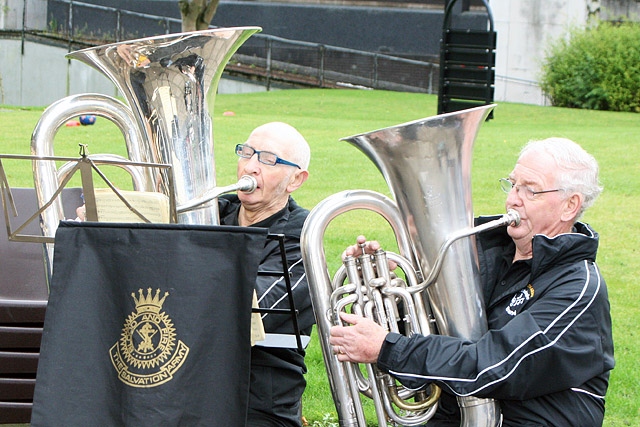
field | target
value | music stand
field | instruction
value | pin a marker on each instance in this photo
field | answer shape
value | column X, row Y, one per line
column 287, row 278
column 85, row 164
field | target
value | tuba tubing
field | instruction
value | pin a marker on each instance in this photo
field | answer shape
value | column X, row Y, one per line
column 47, row 178
column 345, row 393
column 45, row 175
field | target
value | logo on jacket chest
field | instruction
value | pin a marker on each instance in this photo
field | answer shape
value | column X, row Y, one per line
column 519, row 299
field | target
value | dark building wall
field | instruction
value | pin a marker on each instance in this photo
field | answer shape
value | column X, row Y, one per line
column 395, row 31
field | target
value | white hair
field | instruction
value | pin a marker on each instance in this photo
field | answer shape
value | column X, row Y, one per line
column 578, row 170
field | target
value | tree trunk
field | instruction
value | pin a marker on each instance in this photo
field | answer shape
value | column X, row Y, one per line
column 197, row 14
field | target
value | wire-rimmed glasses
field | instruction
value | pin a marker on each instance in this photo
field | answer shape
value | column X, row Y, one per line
column 507, row 185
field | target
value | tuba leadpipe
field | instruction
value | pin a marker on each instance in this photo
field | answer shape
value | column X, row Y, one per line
column 427, row 166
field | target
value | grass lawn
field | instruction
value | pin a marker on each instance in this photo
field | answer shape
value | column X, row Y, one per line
column 325, row 116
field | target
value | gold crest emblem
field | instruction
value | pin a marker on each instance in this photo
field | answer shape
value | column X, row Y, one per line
column 148, row 353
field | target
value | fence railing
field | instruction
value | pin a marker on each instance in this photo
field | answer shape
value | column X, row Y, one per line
column 271, row 59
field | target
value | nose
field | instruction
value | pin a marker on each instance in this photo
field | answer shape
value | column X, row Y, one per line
column 251, row 165
column 513, row 197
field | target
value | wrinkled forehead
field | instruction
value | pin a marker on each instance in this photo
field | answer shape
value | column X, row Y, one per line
column 535, row 167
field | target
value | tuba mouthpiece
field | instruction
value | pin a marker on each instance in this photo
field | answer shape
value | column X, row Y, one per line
column 512, row 217
column 247, row 183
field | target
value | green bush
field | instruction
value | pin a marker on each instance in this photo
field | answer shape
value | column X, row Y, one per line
column 595, row 68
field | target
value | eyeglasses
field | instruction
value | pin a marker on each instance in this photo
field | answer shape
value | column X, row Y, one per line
column 265, row 157
column 507, row 185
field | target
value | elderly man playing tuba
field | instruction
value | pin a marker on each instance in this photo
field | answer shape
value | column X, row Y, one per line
column 277, row 156
column 549, row 351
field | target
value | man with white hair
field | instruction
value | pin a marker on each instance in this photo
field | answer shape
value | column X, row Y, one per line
column 548, row 353
column 277, row 156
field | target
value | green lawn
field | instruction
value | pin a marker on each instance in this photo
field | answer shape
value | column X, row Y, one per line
column 325, row 116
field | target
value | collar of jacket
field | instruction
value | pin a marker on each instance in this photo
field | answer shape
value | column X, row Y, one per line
column 566, row 248
column 288, row 221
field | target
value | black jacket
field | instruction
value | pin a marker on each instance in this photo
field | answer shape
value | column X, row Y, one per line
column 277, row 374
column 549, row 348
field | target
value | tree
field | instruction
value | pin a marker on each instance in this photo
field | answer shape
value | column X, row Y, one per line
column 197, row 14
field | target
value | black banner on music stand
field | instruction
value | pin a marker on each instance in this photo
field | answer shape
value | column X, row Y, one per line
column 148, row 325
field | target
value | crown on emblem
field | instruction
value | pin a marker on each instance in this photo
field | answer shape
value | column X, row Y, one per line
column 149, row 302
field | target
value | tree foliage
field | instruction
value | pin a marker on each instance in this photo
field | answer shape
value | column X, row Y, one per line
column 197, row 14
column 595, row 68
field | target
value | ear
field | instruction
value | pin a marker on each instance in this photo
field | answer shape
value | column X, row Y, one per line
column 572, row 206
column 297, row 179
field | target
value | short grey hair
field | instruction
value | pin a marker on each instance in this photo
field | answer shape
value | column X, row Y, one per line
column 578, row 170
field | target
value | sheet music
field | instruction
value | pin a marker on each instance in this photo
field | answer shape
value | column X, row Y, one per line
column 154, row 206
column 257, row 328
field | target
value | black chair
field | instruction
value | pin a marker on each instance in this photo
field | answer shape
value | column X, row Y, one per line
column 23, row 301
column 467, row 64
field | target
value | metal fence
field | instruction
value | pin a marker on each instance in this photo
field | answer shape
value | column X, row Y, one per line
column 270, row 59
column 319, row 65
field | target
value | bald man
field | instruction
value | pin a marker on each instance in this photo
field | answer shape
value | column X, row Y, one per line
column 277, row 156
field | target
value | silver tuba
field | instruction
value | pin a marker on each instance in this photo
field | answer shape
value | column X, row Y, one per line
column 169, row 83
column 427, row 165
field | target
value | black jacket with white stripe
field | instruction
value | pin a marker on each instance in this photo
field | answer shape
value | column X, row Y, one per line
column 549, row 350
column 277, row 374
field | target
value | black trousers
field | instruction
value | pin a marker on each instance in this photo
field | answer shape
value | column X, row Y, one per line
column 275, row 397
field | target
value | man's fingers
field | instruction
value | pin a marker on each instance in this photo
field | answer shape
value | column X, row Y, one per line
column 335, row 332
column 361, row 246
column 350, row 318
